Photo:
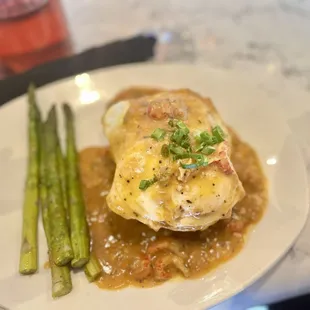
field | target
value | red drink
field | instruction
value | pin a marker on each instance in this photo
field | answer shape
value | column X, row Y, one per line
column 32, row 32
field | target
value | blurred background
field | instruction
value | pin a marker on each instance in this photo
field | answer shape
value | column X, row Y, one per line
column 32, row 32
column 221, row 32
column 270, row 34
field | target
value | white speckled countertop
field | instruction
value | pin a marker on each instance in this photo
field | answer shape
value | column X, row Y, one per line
column 269, row 39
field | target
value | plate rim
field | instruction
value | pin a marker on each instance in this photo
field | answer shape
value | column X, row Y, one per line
column 208, row 68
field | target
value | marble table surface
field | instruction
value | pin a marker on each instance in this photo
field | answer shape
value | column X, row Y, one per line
column 269, row 39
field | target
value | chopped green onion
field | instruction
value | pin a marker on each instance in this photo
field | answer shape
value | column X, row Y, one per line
column 158, row 134
column 218, row 133
column 189, row 166
column 181, row 147
column 145, row 184
column 198, row 139
column 178, row 136
column 198, row 157
column 183, row 127
column 189, row 155
column 196, row 165
column 165, row 151
column 183, row 156
column 206, row 138
column 177, row 150
column 200, row 160
column 186, row 143
column 214, row 140
column 205, row 162
column 207, row 150
column 200, row 147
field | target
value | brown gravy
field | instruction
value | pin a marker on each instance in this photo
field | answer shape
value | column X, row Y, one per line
column 133, row 254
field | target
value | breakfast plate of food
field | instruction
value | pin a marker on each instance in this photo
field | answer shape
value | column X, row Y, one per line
column 168, row 186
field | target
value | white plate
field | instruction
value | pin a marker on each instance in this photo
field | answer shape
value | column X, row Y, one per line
column 242, row 104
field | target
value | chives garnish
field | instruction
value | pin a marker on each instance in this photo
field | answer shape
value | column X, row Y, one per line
column 145, row 184
column 200, row 147
column 181, row 147
column 214, row 140
column 194, row 166
column 186, row 143
column 200, row 160
column 183, row 127
column 208, row 150
column 165, row 151
column 218, row 133
column 199, row 157
column 198, row 139
column 178, row 136
column 158, row 134
column 177, row 150
column 189, row 155
column 189, row 166
column 206, row 138
column 183, row 156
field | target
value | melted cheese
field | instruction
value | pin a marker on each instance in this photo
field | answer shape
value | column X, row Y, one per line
column 183, row 199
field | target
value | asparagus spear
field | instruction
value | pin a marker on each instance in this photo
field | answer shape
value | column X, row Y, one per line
column 61, row 278
column 61, row 246
column 92, row 269
column 28, row 253
column 62, row 175
column 78, row 225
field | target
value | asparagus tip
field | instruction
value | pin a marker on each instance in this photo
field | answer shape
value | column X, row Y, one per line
column 52, row 112
column 67, row 110
column 31, row 87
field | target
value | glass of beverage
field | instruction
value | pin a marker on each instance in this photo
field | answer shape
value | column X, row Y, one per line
column 32, row 32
